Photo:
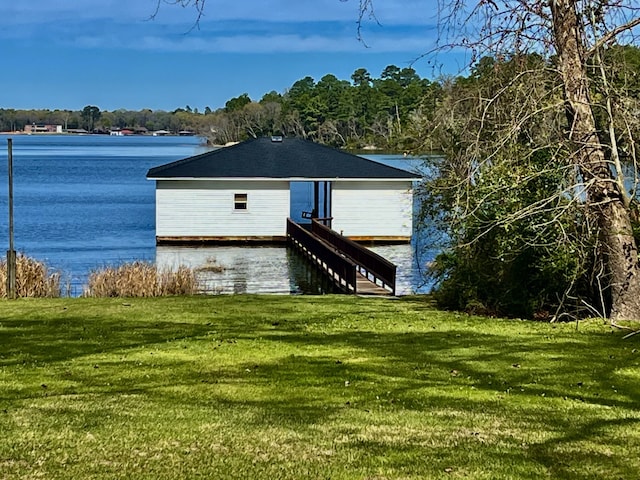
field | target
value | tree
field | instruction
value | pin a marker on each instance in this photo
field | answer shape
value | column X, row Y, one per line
column 272, row 104
column 237, row 103
column 271, row 97
column 517, row 239
column 574, row 35
column 605, row 193
column 361, row 77
column 577, row 31
column 391, row 72
column 90, row 114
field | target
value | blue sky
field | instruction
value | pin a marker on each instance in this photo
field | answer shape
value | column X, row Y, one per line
column 67, row 54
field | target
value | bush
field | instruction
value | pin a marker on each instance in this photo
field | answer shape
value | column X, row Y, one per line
column 518, row 241
column 33, row 278
column 141, row 279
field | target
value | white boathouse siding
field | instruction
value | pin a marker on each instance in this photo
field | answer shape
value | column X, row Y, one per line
column 202, row 198
column 372, row 208
column 205, row 208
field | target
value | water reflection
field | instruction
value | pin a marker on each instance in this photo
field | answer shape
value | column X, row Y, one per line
column 306, row 279
column 231, row 269
column 410, row 261
column 274, row 269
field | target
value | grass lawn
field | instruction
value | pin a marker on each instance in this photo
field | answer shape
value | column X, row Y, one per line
column 279, row 387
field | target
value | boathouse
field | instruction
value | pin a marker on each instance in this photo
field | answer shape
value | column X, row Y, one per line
column 242, row 193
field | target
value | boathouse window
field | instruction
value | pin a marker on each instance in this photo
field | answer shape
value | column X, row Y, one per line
column 240, row 201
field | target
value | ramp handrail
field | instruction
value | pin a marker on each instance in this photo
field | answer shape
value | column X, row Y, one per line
column 370, row 263
column 340, row 269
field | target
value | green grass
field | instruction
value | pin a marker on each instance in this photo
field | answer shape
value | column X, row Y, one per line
column 268, row 387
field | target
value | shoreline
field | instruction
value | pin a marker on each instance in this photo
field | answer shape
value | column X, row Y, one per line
column 64, row 134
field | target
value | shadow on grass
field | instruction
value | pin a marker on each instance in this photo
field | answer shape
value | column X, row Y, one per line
column 57, row 340
column 294, row 366
column 606, row 462
column 568, row 367
column 578, row 367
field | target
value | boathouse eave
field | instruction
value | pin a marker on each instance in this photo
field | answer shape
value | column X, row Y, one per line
column 288, row 179
column 291, row 158
column 267, row 239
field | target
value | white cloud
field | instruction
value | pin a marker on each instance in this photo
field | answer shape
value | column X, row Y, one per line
column 232, row 27
column 292, row 43
column 388, row 12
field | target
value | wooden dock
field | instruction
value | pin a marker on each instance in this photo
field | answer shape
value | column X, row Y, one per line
column 350, row 266
column 364, row 286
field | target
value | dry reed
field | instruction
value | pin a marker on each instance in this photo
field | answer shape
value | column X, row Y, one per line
column 141, row 279
column 33, row 278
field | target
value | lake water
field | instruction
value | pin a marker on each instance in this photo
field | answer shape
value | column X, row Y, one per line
column 83, row 202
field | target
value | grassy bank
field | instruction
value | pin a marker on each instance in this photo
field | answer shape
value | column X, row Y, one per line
column 309, row 387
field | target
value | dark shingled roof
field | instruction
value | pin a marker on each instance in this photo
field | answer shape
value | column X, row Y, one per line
column 289, row 158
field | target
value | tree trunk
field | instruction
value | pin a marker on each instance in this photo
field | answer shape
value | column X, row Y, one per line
column 604, row 198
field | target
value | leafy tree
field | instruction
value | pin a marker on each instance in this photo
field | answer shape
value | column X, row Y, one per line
column 518, row 242
column 237, row 103
column 272, row 105
column 271, row 97
column 391, row 72
column 361, row 77
column 90, row 114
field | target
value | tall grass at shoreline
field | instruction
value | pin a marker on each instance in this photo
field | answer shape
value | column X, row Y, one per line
column 141, row 279
column 134, row 279
column 33, row 278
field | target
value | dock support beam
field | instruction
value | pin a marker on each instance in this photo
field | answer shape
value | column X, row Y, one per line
column 316, row 199
column 325, row 201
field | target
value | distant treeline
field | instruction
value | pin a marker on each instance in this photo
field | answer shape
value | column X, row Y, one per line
column 397, row 111
column 364, row 111
column 92, row 119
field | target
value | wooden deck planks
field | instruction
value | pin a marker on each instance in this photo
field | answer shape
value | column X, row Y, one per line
column 367, row 287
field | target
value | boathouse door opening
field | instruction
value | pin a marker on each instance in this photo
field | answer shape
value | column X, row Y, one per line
column 310, row 199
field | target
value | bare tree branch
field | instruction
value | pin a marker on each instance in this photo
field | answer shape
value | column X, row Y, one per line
column 198, row 5
column 612, row 35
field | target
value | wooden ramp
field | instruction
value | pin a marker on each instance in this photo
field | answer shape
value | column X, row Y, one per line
column 364, row 286
column 350, row 266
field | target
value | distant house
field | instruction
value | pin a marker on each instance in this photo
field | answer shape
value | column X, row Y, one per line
column 242, row 193
column 41, row 128
column 121, row 132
